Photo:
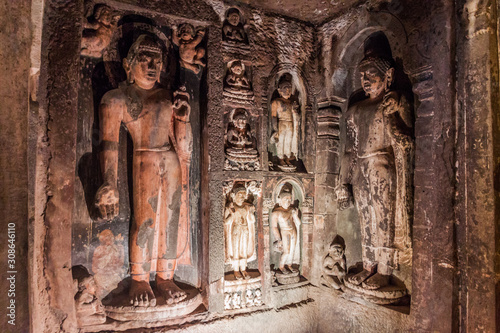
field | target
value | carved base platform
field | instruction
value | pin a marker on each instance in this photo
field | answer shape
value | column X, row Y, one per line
column 287, row 278
column 119, row 308
column 240, row 294
column 287, row 168
column 235, row 47
column 390, row 294
column 241, row 163
column 240, row 97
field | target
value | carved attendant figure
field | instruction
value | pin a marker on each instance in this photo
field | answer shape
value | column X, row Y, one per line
column 160, row 132
column 285, row 124
column 97, row 35
column 239, row 227
column 89, row 309
column 285, row 222
column 334, row 266
column 108, row 262
column 187, row 40
column 375, row 165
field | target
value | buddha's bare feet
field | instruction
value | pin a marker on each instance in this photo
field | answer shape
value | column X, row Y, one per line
column 245, row 275
column 291, row 269
column 283, row 270
column 238, row 275
column 376, row 281
column 141, row 294
column 360, row 277
column 170, row 291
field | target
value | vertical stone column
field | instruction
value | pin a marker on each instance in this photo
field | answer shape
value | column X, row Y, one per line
column 478, row 227
column 327, row 169
column 53, row 300
column 213, row 205
column 14, row 70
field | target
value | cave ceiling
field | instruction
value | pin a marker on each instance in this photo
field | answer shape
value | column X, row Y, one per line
column 314, row 11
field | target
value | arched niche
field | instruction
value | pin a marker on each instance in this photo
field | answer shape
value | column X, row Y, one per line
column 348, row 50
column 301, row 92
column 298, row 198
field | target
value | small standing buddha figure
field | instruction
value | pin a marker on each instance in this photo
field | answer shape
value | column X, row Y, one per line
column 285, row 224
column 285, row 118
column 239, row 230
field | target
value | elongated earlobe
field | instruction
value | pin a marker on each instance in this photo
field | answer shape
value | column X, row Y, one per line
column 126, row 67
column 389, row 78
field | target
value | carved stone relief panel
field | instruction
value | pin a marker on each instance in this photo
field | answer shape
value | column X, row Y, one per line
column 237, row 82
column 189, row 40
column 240, row 143
column 285, row 127
column 136, row 172
column 285, row 222
column 242, row 280
column 98, row 29
column 233, row 27
column 376, row 174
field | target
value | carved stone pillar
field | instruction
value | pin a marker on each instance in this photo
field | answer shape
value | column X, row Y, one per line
column 478, row 168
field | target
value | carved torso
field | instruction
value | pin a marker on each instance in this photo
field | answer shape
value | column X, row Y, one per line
column 370, row 127
column 284, row 109
column 147, row 115
column 285, row 218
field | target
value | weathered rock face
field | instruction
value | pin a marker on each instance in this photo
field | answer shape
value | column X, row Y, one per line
column 253, row 101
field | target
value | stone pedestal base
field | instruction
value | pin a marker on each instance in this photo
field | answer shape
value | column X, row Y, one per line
column 287, row 278
column 234, row 162
column 390, row 294
column 119, row 308
column 240, row 294
column 238, row 96
column 287, row 168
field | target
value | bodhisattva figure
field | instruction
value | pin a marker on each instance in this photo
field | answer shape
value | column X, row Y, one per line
column 285, row 125
column 285, row 223
column 190, row 54
column 233, row 30
column 334, row 266
column 160, row 131
column 239, row 229
column 375, row 168
column 97, row 34
column 241, row 146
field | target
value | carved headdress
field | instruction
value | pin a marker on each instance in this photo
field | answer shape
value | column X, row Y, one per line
column 377, row 52
column 143, row 43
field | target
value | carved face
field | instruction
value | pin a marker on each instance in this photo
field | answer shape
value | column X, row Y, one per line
column 186, row 32
column 286, row 201
column 336, row 251
column 91, row 287
column 106, row 237
column 105, row 16
column 285, row 90
column 240, row 121
column 372, row 80
column 146, row 69
column 239, row 197
column 234, row 19
column 237, row 69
